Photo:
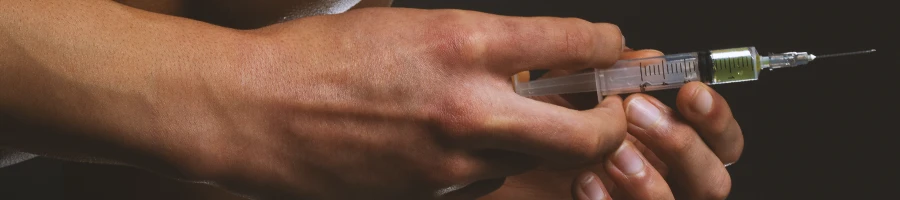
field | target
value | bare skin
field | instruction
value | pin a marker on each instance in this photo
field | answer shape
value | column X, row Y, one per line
column 323, row 107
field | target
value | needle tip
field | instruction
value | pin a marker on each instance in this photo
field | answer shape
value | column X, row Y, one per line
column 847, row 53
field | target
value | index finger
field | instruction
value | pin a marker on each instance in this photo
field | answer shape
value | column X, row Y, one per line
column 563, row 137
column 518, row 44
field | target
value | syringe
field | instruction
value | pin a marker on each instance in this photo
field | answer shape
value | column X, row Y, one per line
column 670, row 71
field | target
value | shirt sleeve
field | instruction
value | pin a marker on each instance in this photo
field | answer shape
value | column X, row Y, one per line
column 8, row 158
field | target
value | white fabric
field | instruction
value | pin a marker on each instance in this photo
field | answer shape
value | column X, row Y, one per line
column 8, row 158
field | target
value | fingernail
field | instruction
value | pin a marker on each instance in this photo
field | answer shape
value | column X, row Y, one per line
column 703, row 101
column 642, row 113
column 659, row 53
column 623, row 43
column 628, row 160
column 592, row 189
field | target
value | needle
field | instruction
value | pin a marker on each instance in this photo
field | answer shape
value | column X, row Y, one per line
column 846, row 54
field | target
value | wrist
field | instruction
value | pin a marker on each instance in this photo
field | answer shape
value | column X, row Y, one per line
column 202, row 111
column 121, row 85
column 238, row 119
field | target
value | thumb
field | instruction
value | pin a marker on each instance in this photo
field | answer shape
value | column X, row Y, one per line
column 587, row 186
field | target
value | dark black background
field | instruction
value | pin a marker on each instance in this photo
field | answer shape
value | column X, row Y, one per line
column 824, row 131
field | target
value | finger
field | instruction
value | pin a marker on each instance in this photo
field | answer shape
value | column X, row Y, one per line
column 644, row 53
column 633, row 177
column 515, row 44
column 708, row 112
column 588, row 186
column 651, row 157
column 693, row 166
column 560, row 136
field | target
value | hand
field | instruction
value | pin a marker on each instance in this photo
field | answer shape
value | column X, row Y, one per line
column 403, row 104
column 370, row 104
column 697, row 173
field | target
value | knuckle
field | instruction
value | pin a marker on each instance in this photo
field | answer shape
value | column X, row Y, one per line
column 578, row 41
column 455, row 41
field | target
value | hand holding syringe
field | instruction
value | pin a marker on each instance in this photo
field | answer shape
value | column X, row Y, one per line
column 670, row 71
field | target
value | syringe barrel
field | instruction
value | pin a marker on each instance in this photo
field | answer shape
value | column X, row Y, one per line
column 625, row 76
column 654, row 73
column 648, row 74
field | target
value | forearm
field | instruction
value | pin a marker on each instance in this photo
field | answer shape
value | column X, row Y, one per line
column 101, row 80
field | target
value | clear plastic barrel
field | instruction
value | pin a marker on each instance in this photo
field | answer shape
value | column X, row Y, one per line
column 640, row 75
column 626, row 76
column 654, row 73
